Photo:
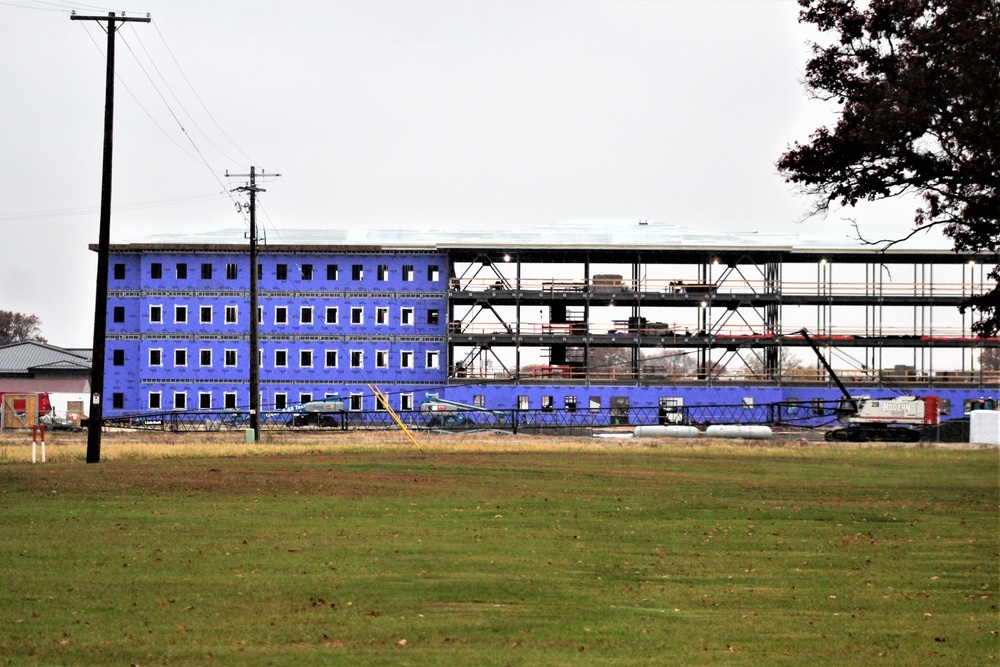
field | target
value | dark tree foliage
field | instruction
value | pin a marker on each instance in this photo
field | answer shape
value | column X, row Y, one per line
column 918, row 83
column 17, row 327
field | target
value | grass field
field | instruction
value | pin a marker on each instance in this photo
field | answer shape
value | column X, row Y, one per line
column 499, row 551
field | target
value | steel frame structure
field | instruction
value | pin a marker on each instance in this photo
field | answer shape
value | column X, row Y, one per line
column 737, row 305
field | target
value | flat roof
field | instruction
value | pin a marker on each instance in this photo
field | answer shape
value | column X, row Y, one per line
column 570, row 235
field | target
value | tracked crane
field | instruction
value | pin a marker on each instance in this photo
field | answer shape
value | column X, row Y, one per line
column 897, row 419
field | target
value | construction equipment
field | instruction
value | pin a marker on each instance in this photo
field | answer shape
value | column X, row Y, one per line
column 54, row 422
column 878, row 419
column 323, row 412
column 452, row 413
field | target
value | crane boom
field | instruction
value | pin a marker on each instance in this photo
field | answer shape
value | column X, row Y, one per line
column 840, row 385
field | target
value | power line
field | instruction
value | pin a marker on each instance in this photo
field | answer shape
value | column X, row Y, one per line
column 37, row 9
column 63, row 7
column 139, row 104
column 201, row 158
column 198, row 97
column 80, row 5
column 167, row 105
column 270, row 223
column 172, row 93
column 190, row 139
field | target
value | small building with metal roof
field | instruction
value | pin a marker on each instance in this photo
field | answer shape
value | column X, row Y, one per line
column 32, row 367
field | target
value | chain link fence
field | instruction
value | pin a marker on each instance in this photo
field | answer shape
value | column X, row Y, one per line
column 513, row 421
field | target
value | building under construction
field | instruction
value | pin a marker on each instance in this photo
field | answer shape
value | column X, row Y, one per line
column 582, row 315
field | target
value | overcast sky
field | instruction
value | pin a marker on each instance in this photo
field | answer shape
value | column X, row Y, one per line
column 408, row 115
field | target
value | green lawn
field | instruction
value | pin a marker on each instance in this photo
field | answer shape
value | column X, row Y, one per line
column 624, row 557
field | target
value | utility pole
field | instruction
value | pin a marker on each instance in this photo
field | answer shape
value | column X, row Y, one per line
column 254, row 324
column 104, row 241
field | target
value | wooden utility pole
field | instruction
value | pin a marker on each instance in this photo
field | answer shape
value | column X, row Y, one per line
column 254, row 324
column 104, row 241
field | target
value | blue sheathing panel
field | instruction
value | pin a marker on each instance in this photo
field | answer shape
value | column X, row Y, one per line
column 184, row 321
